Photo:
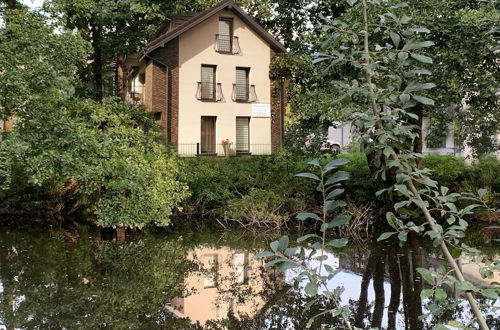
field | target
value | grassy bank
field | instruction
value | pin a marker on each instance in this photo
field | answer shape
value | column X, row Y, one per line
column 264, row 191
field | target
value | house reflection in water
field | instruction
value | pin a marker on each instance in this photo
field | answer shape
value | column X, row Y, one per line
column 228, row 282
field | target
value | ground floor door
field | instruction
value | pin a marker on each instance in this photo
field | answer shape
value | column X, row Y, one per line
column 242, row 134
column 208, row 134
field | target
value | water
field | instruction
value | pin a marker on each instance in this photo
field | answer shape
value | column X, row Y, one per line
column 79, row 279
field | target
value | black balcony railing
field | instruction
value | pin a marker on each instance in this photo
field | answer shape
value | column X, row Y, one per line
column 208, row 91
column 227, row 44
column 244, row 93
column 134, row 95
column 196, row 149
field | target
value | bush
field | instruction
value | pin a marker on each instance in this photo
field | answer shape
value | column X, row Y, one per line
column 217, row 183
column 452, row 172
column 102, row 159
column 446, row 169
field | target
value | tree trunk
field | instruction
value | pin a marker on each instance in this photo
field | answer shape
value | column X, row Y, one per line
column 121, row 234
column 120, row 81
column 378, row 287
column 6, row 279
column 97, row 84
column 363, row 295
column 395, row 280
column 12, row 4
column 418, row 144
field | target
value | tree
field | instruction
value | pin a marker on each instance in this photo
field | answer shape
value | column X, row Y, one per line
column 29, row 66
column 465, row 70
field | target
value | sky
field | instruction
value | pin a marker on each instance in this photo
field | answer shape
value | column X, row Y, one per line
column 32, row 3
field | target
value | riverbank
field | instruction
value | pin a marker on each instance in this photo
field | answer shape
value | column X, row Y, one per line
column 264, row 193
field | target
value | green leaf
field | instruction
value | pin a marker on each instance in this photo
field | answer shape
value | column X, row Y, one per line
column 274, row 245
column 426, row 275
column 309, row 175
column 313, row 162
column 441, row 294
column 337, row 177
column 423, row 99
column 481, row 192
column 284, row 266
column 420, row 203
column 334, row 193
column 337, row 243
column 395, row 38
column 426, row 293
column 335, row 163
column 490, row 293
column 307, row 215
column 393, row 221
column 422, row 58
column 385, row 236
column 401, row 204
column 422, row 44
column 311, row 289
column 283, row 243
column 306, row 237
column 339, row 220
column 404, row 98
column 402, row 56
column 465, row 286
column 402, row 189
column 263, row 254
column 402, row 236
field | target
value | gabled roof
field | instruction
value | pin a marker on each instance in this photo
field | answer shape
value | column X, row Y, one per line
column 204, row 15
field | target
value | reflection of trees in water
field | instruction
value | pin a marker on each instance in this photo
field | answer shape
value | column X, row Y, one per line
column 58, row 282
column 379, row 264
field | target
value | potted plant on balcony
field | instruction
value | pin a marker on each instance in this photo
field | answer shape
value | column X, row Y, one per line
column 226, row 145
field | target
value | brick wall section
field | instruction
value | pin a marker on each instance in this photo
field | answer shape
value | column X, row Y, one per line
column 278, row 107
column 165, row 99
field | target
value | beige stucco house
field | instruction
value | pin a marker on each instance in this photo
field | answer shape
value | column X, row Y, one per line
column 205, row 77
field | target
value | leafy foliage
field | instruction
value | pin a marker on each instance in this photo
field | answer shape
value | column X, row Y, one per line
column 106, row 156
column 29, row 64
column 315, row 278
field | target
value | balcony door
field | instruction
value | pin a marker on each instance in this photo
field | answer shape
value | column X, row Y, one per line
column 225, row 35
column 208, row 134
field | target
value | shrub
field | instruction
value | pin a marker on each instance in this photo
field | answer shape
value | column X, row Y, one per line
column 446, row 169
column 216, row 182
column 103, row 159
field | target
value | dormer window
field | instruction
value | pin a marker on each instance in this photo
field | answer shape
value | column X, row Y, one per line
column 225, row 36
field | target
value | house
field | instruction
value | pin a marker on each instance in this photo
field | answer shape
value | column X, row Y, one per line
column 205, row 77
column 216, row 290
column 342, row 135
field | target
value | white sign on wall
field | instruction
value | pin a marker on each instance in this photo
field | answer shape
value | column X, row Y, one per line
column 261, row 110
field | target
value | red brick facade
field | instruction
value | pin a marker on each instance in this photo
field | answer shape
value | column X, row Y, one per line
column 165, row 99
column 278, row 108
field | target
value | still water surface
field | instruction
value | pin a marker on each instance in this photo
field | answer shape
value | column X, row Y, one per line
column 80, row 279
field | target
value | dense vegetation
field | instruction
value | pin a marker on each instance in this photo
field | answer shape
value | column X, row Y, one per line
column 264, row 191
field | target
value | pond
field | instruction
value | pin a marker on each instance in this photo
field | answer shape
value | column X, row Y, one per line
column 207, row 279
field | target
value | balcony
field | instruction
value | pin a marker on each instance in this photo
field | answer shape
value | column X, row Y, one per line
column 209, row 92
column 134, row 95
column 244, row 93
column 226, row 44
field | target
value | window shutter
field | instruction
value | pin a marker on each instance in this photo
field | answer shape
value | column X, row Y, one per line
column 241, row 84
column 207, row 82
column 225, row 35
column 242, row 134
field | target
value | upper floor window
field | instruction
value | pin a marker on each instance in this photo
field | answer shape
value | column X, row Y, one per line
column 226, row 42
column 208, row 88
column 208, row 82
column 242, row 90
column 225, row 36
